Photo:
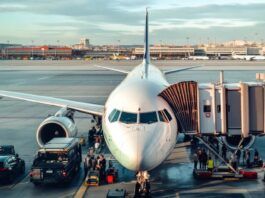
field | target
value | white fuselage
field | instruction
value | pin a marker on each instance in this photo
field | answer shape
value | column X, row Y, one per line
column 248, row 57
column 139, row 145
column 198, row 58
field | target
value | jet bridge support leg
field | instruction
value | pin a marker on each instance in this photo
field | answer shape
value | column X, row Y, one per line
column 216, row 154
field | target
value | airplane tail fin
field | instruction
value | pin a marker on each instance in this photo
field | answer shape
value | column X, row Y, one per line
column 146, row 59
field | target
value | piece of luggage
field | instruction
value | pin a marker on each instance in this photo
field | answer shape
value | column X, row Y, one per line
column 249, row 174
column 202, row 174
column 110, row 179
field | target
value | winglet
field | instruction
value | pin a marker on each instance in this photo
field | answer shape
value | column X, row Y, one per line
column 146, row 59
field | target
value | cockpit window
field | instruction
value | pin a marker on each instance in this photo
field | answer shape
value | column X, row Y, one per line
column 168, row 115
column 148, row 117
column 128, row 118
column 162, row 116
column 114, row 115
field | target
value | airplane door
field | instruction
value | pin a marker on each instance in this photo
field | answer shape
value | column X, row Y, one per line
column 256, row 109
column 218, row 110
column 233, row 112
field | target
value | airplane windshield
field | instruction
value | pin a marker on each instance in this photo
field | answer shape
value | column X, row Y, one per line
column 114, row 115
column 148, row 117
column 128, row 118
column 162, row 116
column 168, row 115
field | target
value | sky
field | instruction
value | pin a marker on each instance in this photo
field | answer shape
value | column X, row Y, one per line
column 122, row 21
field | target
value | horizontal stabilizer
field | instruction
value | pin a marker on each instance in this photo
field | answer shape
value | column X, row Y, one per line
column 113, row 69
column 179, row 70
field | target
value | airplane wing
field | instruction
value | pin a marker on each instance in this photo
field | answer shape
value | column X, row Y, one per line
column 113, row 69
column 74, row 105
column 179, row 70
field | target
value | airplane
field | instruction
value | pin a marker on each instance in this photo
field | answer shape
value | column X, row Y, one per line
column 139, row 126
column 198, row 58
column 247, row 57
column 117, row 56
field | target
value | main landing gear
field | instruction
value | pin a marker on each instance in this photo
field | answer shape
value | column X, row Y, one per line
column 142, row 186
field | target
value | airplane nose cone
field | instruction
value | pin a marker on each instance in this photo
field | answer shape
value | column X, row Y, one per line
column 138, row 151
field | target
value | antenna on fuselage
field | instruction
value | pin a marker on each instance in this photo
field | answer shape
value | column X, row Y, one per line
column 146, row 60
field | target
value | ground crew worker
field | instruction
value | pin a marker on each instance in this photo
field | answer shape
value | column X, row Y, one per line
column 199, row 153
column 224, row 150
column 248, row 158
column 256, row 157
column 244, row 157
column 195, row 160
column 238, row 154
column 87, row 164
column 204, row 159
column 210, row 164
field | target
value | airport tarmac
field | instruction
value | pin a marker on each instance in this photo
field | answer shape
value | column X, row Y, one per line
column 84, row 82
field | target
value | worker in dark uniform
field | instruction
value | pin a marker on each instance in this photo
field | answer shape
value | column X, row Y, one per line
column 256, row 157
column 248, row 158
column 238, row 154
column 91, row 135
column 204, row 159
column 199, row 153
column 244, row 157
column 224, row 150
column 87, row 164
column 195, row 160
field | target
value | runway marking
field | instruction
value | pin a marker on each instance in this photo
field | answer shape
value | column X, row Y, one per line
column 44, row 78
column 81, row 191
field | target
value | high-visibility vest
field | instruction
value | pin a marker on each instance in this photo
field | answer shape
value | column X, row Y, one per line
column 210, row 163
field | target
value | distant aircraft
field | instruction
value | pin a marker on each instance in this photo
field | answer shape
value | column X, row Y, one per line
column 198, row 58
column 116, row 56
column 247, row 57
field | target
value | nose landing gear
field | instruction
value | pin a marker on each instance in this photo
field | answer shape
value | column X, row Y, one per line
column 142, row 186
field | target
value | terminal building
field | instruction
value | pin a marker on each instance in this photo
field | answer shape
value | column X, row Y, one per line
column 176, row 52
column 37, row 52
column 165, row 51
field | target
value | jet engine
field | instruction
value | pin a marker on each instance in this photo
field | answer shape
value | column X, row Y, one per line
column 56, row 126
column 233, row 141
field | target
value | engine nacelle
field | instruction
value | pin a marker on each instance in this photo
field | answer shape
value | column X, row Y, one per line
column 55, row 126
column 232, row 141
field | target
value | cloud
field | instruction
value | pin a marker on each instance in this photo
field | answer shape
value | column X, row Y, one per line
column 111, row 19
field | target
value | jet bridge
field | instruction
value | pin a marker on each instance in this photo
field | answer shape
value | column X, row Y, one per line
column 230, row 109
column 182, row 98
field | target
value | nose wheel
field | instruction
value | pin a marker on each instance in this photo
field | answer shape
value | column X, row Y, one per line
column 142, row 186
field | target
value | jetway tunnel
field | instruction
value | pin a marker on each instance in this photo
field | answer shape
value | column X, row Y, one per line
column 182, row 98
column 233, row 110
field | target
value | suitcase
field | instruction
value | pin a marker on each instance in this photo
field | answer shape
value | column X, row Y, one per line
column 202, row 174
column 110, row 179
column 249, row 174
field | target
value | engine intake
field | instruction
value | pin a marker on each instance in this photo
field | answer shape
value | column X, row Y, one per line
column 55, row 126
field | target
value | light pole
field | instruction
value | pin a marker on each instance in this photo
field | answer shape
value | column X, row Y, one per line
column 42, row 49
column 188, row 38
column 32, row 52
column 56, row 48
column 119, row 47
column 7, row 49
